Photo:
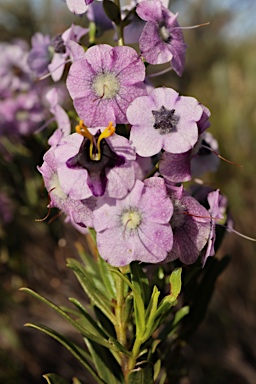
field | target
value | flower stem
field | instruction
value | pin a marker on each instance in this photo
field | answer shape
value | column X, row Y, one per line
column 119, row 28
column 120, row 324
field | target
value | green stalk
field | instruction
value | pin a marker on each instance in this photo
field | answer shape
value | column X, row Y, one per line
column 119, row 28
column 120, row 324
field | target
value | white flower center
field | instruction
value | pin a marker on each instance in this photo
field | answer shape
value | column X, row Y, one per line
column 56, row 189
column 164, row 33
column 106, row 85
column 131, row 219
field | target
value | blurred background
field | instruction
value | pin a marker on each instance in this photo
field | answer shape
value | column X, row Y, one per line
column 221, row 73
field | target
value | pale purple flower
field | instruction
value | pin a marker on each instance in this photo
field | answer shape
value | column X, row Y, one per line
column 78, row 211
column 78, row 6
column 24, row 113
column 190, row 224
column 104, row 82
column 205, row 159
column 14, row 70
column 136, row 227
column 161, row 40
column 63, row 49
column 168, row 122
column 39, row 57
column 218, row 204
column 182, row 167
column 84, row 170
column 62, row 118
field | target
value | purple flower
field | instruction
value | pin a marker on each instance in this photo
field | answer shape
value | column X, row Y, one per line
column 104, row 82
column 23, row 113
column 63, row 48
column 95, row 165
column 14, row 70
column 62, row 118
column 168, row 122
column 136, row 227
column 161, row 40
column 39, row 56
column 191, row 226
column 217, row 204
column 79, row 212
column 78, row 6
column 181, row 167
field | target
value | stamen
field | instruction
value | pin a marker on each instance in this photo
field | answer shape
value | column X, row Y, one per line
column 83, row 130
column 221, row 225
column 193, row 26
column 109, row 131
column 48, row 207
column 55, row 69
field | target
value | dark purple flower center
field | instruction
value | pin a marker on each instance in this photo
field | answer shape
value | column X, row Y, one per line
column 178, row 216
column 58, row 44
column 165, row 120
column 97, row 169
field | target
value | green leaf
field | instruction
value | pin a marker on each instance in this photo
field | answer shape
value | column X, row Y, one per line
column 144, row 374
column 157, row 368
column 75, row 324
column 172, row 326
column 112, row 11
column 107, row 278
column 107, row 367
column 140, row 282
column 51, row 378
column 81, row 355
column 87, row 321
column 175, row 284
column 152, row 306
column 76, row 381
column 91, row 268
column 95, row 295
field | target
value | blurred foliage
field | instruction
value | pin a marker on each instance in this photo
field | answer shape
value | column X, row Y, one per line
column 220, row 73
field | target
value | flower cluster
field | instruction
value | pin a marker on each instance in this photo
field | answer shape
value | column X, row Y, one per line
column 122, row 171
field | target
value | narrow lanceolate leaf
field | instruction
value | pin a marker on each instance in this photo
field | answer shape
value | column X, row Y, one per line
column 106, row 365
column 76, row 381
column 87, row 321
column 107, row 278
column 140, row 282
column 82, row 356
column 175, row 283
column 51, row 378
column 144, row 374
column 95, row 295
column 74, row 323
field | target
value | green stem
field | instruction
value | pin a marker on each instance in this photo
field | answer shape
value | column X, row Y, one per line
column 120, row 324
column 119, row 28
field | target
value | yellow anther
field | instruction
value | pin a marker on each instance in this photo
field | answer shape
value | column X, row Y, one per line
column 109, row 131
column 83, row 130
